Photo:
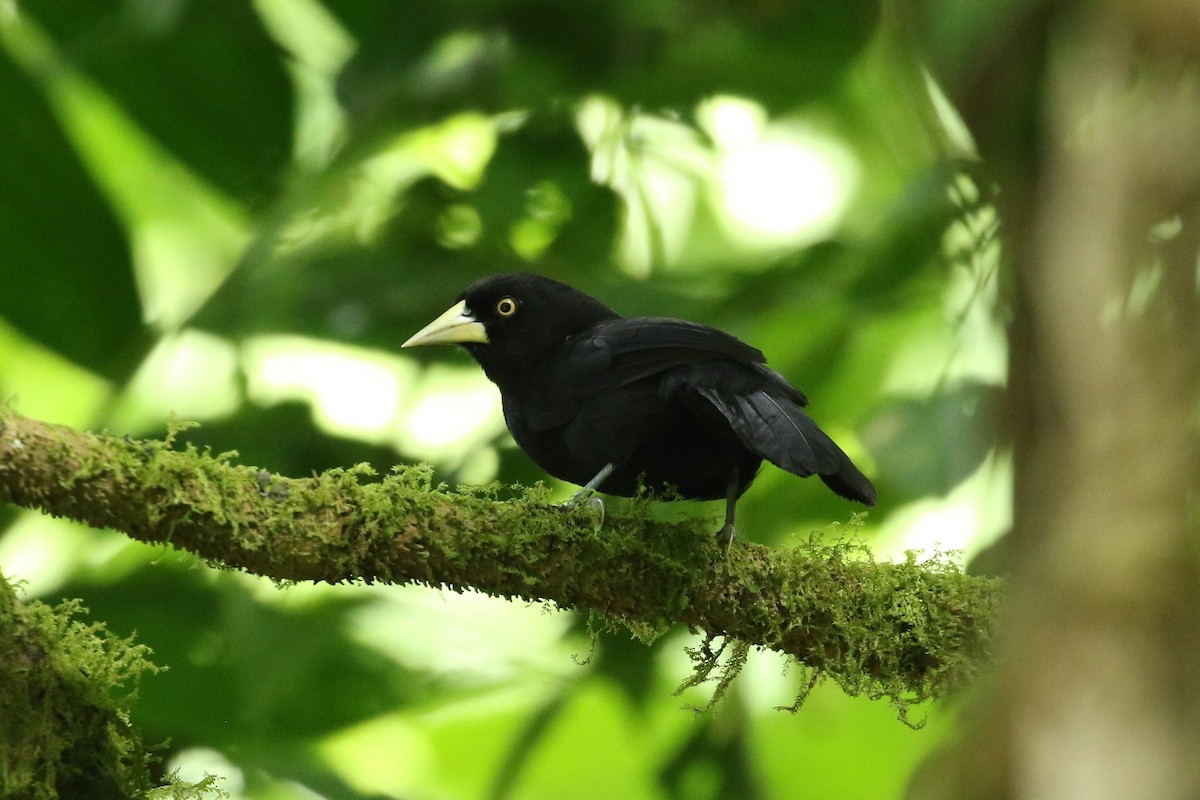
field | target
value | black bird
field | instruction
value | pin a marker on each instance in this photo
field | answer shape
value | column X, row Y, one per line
column 612, row 403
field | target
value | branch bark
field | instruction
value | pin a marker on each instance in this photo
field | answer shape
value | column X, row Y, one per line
column 909, row 631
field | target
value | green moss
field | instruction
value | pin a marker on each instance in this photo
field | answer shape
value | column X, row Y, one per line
column 906, row 632
column 65, row 690
column 175, row 789
column 62, row 723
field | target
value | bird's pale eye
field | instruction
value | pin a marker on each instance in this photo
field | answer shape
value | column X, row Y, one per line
column 506, row 307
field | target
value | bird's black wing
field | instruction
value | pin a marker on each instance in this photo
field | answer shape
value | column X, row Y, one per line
column 616, row 353
column 619, row 352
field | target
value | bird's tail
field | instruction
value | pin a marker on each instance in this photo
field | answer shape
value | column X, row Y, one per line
column 778, row 430
column 850, row 483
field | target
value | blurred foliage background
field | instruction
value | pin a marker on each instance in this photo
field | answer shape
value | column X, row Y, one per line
column 234, row 213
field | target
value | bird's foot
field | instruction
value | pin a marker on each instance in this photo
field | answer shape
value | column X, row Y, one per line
column 586, row 497
column 725, row 537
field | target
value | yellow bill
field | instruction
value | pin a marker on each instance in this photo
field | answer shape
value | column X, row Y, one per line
column 453, row 327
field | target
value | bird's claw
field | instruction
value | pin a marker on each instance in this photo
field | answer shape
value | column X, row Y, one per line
column 725, row 537
column 585, row 497
column 598, row 504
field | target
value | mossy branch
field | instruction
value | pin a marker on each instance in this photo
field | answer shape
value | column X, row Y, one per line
column 908, row 631
column 65, row 688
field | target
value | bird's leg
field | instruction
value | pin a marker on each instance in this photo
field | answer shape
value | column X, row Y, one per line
column 590, row 486
column 587, row 493
column 726, row 535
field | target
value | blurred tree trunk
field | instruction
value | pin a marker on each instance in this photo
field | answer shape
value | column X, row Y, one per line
column 1088, row 116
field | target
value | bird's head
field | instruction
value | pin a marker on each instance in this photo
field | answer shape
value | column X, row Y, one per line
column 509, row 323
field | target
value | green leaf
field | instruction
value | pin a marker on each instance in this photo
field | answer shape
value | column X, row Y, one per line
column 204, row 78
column 64, row 260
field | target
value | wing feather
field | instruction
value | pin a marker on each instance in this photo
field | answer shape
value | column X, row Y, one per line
column 778, row 430
column 619, row 352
